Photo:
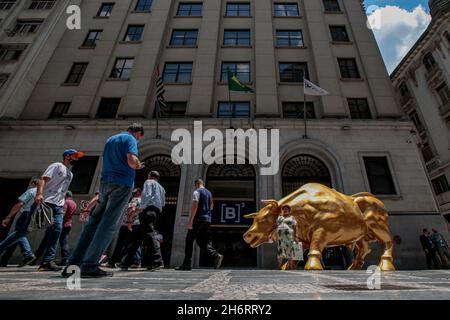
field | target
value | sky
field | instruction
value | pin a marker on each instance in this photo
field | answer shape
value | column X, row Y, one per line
column 397, row 24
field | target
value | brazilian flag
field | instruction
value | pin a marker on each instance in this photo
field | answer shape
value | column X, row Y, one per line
column 235, row 85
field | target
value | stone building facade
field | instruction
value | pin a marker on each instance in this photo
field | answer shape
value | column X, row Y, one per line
column 84, row 85
column 422, row 82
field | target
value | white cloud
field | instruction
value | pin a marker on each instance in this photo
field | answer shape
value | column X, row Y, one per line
column 396, row 30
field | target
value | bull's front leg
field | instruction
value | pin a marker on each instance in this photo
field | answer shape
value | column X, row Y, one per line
column 317, row 244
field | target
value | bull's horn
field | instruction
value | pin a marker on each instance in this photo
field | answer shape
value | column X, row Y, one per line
column 271, row 201
column 251, row 215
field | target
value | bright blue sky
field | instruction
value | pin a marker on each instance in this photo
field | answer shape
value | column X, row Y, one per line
column 397, row 24
column 405, row 4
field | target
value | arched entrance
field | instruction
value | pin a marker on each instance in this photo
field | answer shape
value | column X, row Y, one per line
column 170, row 179
column 234, row 193
column 302, row 169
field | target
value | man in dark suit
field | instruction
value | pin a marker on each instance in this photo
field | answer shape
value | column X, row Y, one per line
column 429, row 248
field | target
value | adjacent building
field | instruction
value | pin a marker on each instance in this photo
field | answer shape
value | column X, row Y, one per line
column 78, row 87
column 422, row 82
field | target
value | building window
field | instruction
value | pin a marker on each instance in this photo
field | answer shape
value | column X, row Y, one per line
column 83, row 173
column 105, row 10
column 41, row 5
column 184, row 38
column 108, row 108
column 293, row 71
column 440, row 184
column 11, row 53
column 331, row 5
column 285, row 9
column 173, row 110
column 26, row 27
column 238, row 9
column 234, row 110
column 427, row 152
column 443, row 93
column 349, row 68
column 289, row 38
column 191, row 9
column 143, row 5
column 134, row 33
column 59, row 110
column 92, row 38
column 428, row 61
column 359, row 108
column 236, row 38
column 122, row 68
column 379, row 175
column 240, row 69
column 339, row 34
column 295, row 110
column 6, row 4
column 77, row 73
column 177, row 72
column 416, row 120
column 3, row 78
column 404, row 91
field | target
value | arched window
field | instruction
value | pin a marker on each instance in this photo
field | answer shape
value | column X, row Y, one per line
column 303, row 169
column 428, row 61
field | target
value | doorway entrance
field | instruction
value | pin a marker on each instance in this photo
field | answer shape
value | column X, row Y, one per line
column 170, row 174
column 234, row 194
column 303, row 169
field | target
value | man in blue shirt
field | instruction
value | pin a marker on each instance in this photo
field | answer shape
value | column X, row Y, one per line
column 198, row 226
column 120, row 160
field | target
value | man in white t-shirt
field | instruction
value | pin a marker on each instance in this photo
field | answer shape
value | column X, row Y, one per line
column 52, row 188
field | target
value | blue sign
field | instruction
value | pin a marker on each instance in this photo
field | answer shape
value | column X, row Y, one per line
column 232, row 212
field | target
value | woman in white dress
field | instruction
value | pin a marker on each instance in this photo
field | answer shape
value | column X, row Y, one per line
column 287, row 235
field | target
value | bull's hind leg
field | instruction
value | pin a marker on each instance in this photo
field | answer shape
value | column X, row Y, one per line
column 385, row 239
column 315, row 250
column 362, row 250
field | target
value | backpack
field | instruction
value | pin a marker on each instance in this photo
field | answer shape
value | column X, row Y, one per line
column 41, row 218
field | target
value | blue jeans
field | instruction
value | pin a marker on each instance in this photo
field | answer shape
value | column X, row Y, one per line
column 19, row 236
column 54, row 231
column 103, row 224
column 63, row 242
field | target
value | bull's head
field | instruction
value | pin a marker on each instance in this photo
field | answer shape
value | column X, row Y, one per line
column 264, row 223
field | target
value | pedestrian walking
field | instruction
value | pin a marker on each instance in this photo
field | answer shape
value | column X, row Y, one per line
column 127, row 232
column 120, row 160
column 52, row 188
column 19, row 235
column 198, row 227
column 152, row 202
column 429, row 248
column 69, row 210
column 441, row 247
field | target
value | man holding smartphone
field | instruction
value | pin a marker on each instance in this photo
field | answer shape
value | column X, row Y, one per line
column 120, row 160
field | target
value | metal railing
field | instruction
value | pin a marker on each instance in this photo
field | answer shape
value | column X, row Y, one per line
column 41, row 5
column 6, row 5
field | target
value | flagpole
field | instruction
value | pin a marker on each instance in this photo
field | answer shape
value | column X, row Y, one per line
column 231, row 108
column 157, row 120
column 305, row 136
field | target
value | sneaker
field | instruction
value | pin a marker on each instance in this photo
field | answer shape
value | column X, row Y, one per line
column 99, row 273
column 121, row 266
column 49, row 266
column 154, row 268
column 135, row 266
column 62, row 263
column 27, row 261
column 65, row 272
column 218, row 261
column 183, row 268
column 103, row 259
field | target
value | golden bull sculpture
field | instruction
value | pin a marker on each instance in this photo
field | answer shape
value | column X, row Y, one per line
column 327, row 218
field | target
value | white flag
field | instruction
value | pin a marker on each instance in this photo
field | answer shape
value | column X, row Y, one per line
column 312, row 90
